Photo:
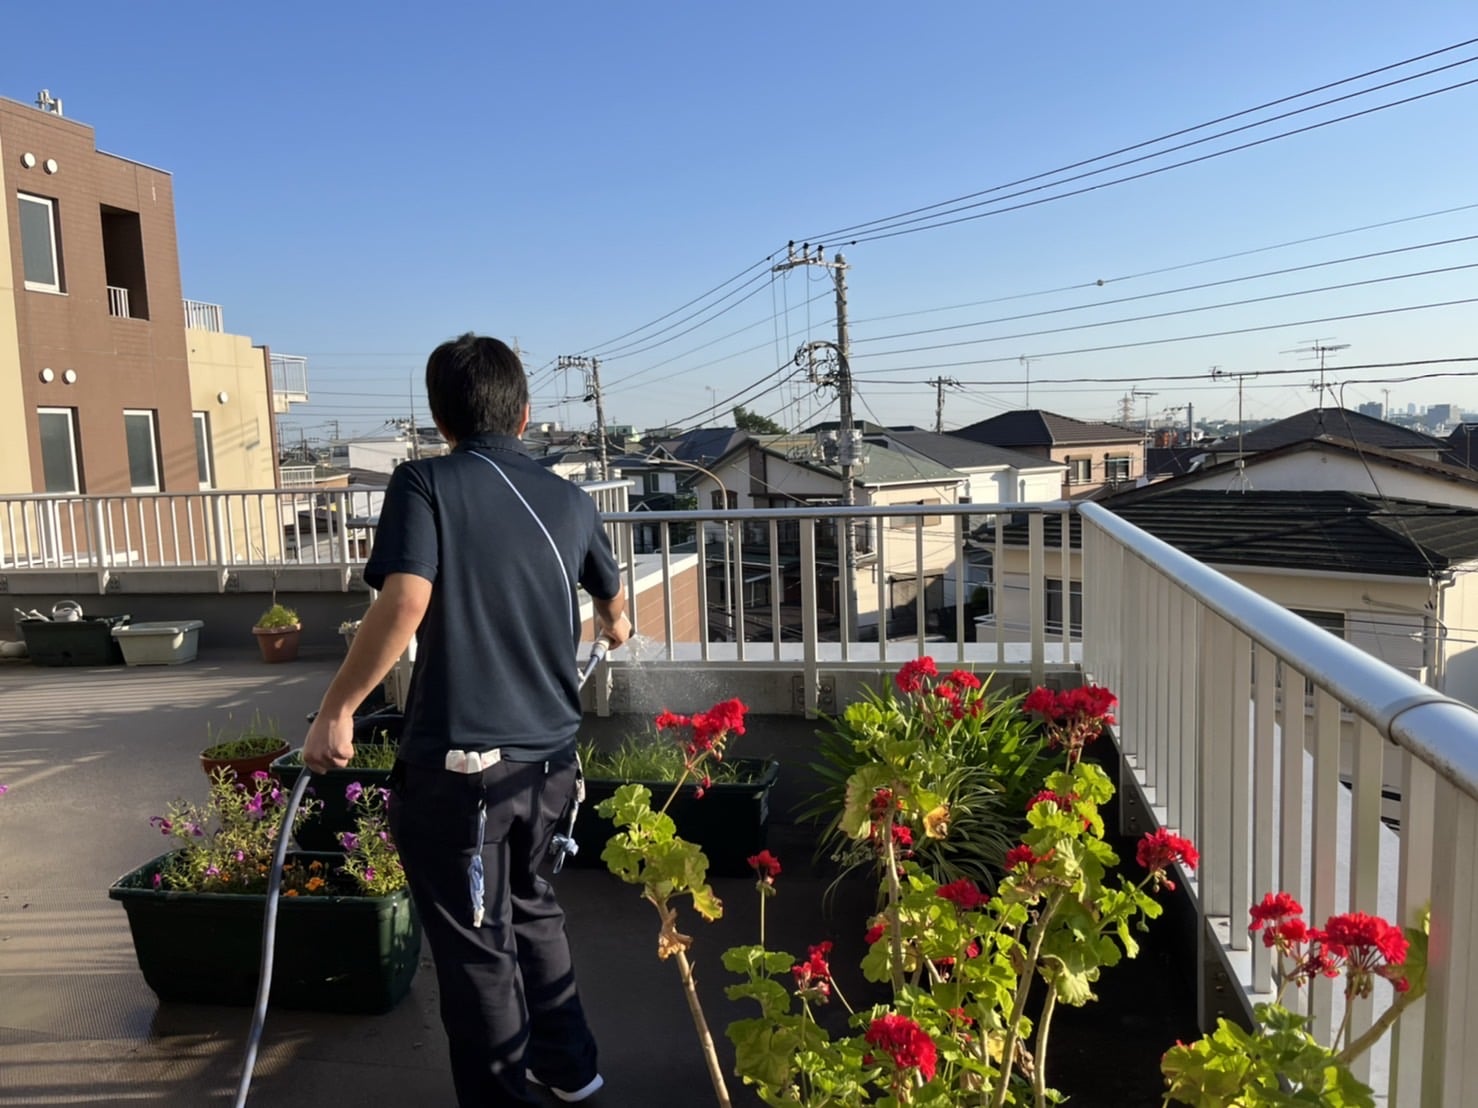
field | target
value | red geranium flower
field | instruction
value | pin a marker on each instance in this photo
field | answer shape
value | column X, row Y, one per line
column 1158, row 849
column 766, row 865
column 964, row 679
column 1021, row 853
column 905, row 1042
column 911, row 675
column 1368, row 946
column 813, row 976
column 874, row 933
column 1042, row 702
column 964, row 894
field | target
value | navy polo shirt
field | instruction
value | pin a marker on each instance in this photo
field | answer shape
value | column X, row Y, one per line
column 495, row 654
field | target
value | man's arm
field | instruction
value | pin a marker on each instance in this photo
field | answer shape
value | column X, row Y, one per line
column 611, row 615
column 383, row 635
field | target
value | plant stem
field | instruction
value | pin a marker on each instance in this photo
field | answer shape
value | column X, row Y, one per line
column 763, row 898
column 687, row 772
column 895, row 921
column 705, row 1037
column 1023, row 986
column 1372, row 1034
column 1044, row 1026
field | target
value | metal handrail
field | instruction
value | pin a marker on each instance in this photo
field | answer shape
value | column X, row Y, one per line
column 1371, row 688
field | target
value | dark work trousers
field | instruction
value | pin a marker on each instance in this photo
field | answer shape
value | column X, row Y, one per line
column 508, row 995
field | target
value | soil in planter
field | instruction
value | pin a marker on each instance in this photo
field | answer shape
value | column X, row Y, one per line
column 730, row 821
column 334, row 953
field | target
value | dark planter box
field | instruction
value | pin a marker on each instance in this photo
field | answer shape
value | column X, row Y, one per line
column 82, row 642
column 321, row 831
column 334, row 953
column 730, row 821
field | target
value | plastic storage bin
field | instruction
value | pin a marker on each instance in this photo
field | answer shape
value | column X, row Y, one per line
column 165, row 643
column 80, row 642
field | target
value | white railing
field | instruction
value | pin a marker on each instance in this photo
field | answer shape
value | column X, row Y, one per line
column 290, row 376
column 216, row 530
column 118, row 302
column 200, row 316
column 1218, row 746
column 298, row 477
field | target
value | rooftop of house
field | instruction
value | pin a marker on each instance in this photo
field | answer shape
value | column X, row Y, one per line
column 882, row 467
column 962, row 453
column 1340, row 532
column 703, row 444
column 1323, row 444
column 1035, row 427
column 1338, row 422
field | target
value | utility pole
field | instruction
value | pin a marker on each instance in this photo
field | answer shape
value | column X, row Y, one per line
column 849, row 441
column 1146, row 427
column 591, row 368
column 1217, row 373
column 940, row 384
column 1385, row 412
column 1026, row 364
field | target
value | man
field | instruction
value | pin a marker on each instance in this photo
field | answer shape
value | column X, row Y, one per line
column 478, row 554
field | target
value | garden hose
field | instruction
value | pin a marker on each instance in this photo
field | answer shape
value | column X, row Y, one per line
column 269, row 936
column 274, row 889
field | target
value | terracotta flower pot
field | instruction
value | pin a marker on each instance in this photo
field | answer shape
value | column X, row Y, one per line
column 246, row 766
column 278, row 644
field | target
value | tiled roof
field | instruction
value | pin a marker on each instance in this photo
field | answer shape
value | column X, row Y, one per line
column 1035, row 427
column 962, row 453
column 1320, row 530
column 1338, row 532
column 703, row 444
column 1339, row 422
column 883, row 467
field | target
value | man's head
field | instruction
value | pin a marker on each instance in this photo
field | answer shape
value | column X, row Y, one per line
column 476, row 386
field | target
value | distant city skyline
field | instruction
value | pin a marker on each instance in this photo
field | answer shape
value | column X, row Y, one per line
column 579, row 179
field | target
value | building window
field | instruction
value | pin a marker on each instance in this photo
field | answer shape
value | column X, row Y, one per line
column 908, row 523
column 721, row 499
column 40, row 261
column 203, row 457
column 1054, row 607
column 1079, row 470
column 143, row 451
column 651, row 483
column 123, row 263
column 1116, row 468
column 58, row 428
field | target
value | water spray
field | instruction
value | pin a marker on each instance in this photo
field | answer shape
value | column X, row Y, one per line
column 567, row 847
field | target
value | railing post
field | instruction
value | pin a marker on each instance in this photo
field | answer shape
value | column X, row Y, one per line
column 1450, row 1069
column 811, row 670
column 1036, row 596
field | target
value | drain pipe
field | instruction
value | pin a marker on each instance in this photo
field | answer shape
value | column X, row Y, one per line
column 598, row 652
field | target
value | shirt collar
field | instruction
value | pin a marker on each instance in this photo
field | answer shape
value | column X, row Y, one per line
column 508, row 443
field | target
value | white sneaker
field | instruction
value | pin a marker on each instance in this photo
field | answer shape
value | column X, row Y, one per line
column 572, row 1096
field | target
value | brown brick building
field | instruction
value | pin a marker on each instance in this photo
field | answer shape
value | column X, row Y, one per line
column 95, row 358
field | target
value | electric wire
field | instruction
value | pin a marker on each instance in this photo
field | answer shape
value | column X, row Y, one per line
column 857, row 227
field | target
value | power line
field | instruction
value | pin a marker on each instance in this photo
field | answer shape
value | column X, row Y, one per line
column 912, row 226
column 1177, row 338
column 1171, row 292
column 856, row 227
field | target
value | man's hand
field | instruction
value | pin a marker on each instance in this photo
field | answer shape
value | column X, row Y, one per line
column 330, row 743
column 618, row 632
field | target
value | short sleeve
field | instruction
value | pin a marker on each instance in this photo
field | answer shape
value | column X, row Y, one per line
column 406, row 536
column 600, row 576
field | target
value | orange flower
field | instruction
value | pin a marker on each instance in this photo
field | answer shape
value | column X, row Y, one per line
column 314, row 883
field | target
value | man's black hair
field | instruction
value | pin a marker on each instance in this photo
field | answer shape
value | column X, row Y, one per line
column 476, row 386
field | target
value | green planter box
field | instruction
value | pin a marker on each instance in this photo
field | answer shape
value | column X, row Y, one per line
column 730, row 821
column 80, row 642
column 334, row 953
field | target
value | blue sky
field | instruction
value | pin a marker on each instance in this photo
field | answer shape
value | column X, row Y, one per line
column 356, row 183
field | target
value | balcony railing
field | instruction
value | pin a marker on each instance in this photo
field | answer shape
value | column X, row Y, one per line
column 118, row 302
column 1279, row 790
column 298, row 477
column 200, row 316
column 289, row 380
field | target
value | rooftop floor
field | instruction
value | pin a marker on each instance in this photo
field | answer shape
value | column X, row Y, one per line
column 91, row 754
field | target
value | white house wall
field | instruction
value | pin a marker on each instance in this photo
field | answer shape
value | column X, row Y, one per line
column 1319, row 471
column 1460, row 652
